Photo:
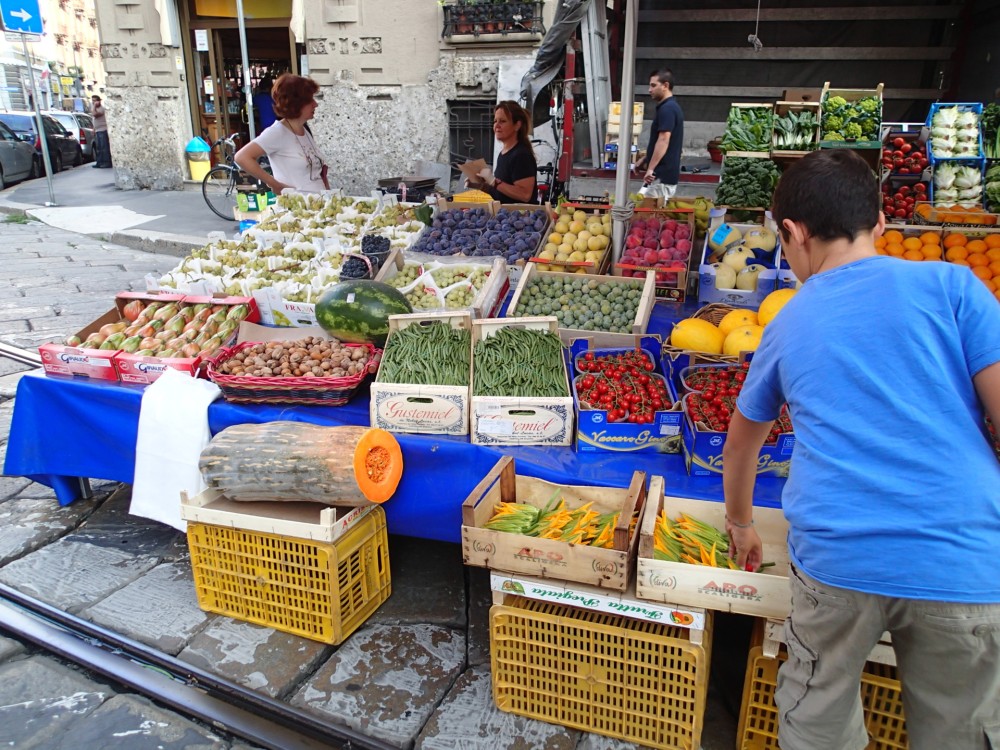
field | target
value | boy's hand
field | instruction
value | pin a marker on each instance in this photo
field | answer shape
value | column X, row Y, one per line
column 745, row 547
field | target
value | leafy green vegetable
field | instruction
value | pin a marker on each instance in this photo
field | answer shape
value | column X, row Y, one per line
column 992, row 188
column 747, row 183
column 748, row 129
column 795, row 131
column 990, row 122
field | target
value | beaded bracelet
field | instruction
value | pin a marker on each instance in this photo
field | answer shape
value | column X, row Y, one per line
column 739, row 525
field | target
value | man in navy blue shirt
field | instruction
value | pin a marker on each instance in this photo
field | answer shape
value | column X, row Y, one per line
column 666, row 138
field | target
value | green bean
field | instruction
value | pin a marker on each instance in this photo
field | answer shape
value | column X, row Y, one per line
column 433, row 354
column 519, row 362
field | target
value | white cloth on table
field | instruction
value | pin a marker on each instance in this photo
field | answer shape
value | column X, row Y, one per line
column 173, row 430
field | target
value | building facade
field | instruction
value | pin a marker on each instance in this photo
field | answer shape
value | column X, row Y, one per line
column 398, row 85
column 65, row 62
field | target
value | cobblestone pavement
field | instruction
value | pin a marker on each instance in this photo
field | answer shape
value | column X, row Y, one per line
column 417, row 674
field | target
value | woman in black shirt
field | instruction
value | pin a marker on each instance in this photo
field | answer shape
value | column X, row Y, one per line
column 514, row 180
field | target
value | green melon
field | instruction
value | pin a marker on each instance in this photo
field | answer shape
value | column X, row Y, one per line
column 358, row 311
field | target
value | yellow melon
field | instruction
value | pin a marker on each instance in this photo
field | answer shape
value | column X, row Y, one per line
column 772, row 305
column 736, row 318
column 697, row 335
column 742, row 339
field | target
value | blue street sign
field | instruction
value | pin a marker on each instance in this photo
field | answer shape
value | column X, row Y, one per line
column 22, row 16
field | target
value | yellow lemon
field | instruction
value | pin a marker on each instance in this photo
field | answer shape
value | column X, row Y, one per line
column 736, row 318
column 742, row 339
column 772, row 305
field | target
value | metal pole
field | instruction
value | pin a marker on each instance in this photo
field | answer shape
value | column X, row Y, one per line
column 625, row 124
column 247, row 83
column 39, row 124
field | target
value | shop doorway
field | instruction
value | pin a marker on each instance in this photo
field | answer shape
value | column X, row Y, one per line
column 216, row 69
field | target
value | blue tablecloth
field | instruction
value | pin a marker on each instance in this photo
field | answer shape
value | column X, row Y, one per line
column 64, row 429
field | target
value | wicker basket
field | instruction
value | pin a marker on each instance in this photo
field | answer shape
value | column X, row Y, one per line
column 242, row 389
column 713, row 312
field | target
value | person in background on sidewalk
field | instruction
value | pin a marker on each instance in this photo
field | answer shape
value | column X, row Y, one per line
column 662, row 163
column 295, row 159
column 893, row 499
column 102, row 159
column 263, row 104
column 516, row 175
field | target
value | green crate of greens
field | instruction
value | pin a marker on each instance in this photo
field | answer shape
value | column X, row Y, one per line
column 851, row 118
column 796, row 127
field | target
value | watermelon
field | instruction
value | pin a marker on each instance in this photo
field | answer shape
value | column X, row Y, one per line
column 358, row 310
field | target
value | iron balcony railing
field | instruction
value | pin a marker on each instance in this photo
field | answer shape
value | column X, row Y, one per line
column 492, row 18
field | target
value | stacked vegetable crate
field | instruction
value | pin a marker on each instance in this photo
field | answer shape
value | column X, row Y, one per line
column 549, row 660
column 796, row 129
column 852, row 118
column 905, row 173
column 613, row 137
column 955, row 147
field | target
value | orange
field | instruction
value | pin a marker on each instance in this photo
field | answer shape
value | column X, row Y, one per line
column 913, row 255
column 995, row 267
column 993, row 253
column 982, row 272
column 930, row 238
column 893, row 235
column 978, row 259
column 990, row 285
column 912, row 243
column 976, row 246
column 881, row 242
column 961, row 262
column 992, row 240
column 881, row 251
column 954, row 239
column 997, row 294
column 931, row 252
column 955, row 252
column 894, row 249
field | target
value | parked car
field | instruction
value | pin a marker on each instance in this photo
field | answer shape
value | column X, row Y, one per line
column 81, row 126
column 17, row 158
column 64, row 149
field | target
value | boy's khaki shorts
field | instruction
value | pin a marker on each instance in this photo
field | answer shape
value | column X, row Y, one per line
column 949, row 665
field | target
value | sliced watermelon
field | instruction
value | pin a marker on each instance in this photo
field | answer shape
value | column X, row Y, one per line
column 358, row 310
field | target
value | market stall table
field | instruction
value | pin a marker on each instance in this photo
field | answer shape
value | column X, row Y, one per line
column 65, row 431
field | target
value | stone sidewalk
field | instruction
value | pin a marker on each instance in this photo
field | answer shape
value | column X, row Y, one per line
column 416, row 674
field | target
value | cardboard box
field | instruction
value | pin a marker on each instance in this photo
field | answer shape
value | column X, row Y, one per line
column 766, row 281
column 487, row 301
column 142, row 370
column 671, row 275
column 511, row 420
column 762, row 594
column 86, row 362
column 643, row 313
column 615, row 118
column 422, row 408
column 703, row 450
column 595, row 432
column 550, row 558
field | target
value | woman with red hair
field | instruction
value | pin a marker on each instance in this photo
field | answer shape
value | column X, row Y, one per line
column 296, row 161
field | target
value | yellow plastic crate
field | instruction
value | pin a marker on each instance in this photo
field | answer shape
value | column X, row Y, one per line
column 639, row 681
column 881, row 699
column 319, row 590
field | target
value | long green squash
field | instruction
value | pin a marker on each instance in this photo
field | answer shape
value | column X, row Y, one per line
column 342, row 465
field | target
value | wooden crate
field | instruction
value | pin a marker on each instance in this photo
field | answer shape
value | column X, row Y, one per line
column 851, row 95
column 765, row 593
column 419, row 407
column 753, row 105
column 642, row 316
column 783, row 108
column 509, row 420
column 550, row 558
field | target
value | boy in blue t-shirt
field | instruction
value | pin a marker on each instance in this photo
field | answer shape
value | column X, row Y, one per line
column 888, row 367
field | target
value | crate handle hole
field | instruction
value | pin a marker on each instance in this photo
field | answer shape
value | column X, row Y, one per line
column 522, row 412
column 419, row 400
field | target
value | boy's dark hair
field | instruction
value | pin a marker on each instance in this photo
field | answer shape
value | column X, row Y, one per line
column 833, row 193
column 664, row 75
